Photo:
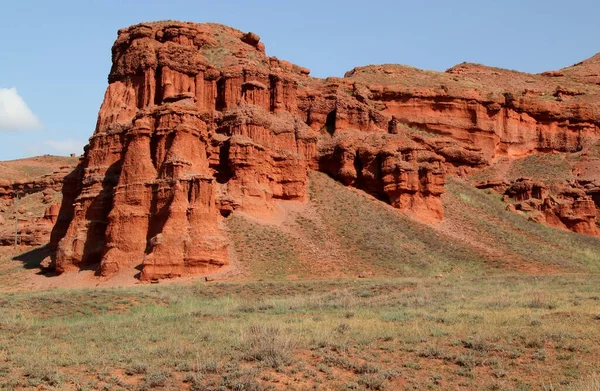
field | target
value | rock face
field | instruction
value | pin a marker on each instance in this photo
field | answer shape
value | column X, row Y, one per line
column 38, row 207
column 390, row 167
column 182, row 139
column 567, row 206
column 503, row 113
column 198, row 122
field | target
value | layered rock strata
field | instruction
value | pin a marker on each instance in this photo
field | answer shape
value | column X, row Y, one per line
column 184, row 138
column 198, row 122
column 30, row 219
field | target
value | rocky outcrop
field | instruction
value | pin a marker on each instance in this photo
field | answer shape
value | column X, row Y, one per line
column 182, row 140
column 30, row 230
column 500, row 112
column 565, row 206
column 34, row 214
column 47, row 184
column 392, row 168
column 198, row 122
column 473, row 116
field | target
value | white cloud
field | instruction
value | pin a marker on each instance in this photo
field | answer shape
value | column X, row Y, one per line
column 14, row 113
column 66, row 146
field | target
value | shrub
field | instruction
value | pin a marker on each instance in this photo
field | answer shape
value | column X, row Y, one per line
column 268, row 345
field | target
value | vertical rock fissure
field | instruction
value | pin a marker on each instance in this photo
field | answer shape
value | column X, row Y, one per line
column 220, row 104
column 158, row 85
column 223, row 173
column 358, row 166
column 330, row 122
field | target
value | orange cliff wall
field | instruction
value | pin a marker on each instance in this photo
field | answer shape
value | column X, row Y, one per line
column 197, row 123
column 184, row 138
column 163, row 165
column 503, row 113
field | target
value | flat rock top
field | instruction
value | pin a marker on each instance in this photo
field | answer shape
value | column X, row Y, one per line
column 577, row 83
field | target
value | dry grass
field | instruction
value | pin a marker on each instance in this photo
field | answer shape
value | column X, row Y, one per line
column 549, row 168
column 513, row 241
column 342, row 233
column 475, row 333
column 34, row 167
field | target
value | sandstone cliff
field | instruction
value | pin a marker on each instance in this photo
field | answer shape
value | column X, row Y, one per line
column 198, row 122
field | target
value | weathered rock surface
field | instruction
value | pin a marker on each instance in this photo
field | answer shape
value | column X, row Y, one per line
column 37, row 210
column 198, row 122
column 391, row 167
column 566, row 206
column 503, row 113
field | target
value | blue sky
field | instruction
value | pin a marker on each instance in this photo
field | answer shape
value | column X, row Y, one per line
column 55, row 55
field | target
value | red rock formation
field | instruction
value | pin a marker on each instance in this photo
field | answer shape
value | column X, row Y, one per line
column 181, row 141
column 197, row 122
column 503, row 113
column 37, row 212
column 567, row 207
column 48, row 184
column 392, row 168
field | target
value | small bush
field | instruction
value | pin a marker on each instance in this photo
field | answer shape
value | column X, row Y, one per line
column 412, row 365
column 540, row 355
column 156, row 379
column 431, row 351
column 541, row 301
column 268, row 345
column 372, row 382
column 136, row 369
column 366, row 368
column 477, row 343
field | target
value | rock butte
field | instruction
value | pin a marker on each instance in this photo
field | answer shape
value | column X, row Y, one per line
column 198, row 122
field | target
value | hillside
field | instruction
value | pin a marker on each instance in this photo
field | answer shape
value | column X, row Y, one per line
column 343, row 233
column 38, row 183
column 34, row 167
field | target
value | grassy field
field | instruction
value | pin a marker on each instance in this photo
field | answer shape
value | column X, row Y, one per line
column 477, row 333
column 517, row 307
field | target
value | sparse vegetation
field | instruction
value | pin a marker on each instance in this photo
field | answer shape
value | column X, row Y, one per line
column 343, row 233
column 299, row 335
column 483, row 325
column 513, row 241
column 35, row 167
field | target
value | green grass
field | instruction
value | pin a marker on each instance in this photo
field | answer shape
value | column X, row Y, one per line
column 380, row 235
column 367, row 235
column 475, row 333
column 548, row 168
